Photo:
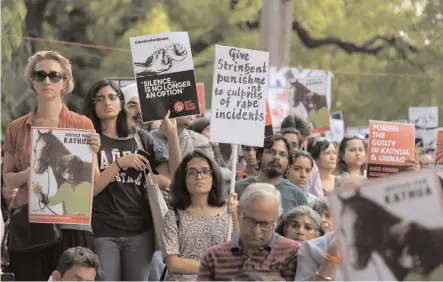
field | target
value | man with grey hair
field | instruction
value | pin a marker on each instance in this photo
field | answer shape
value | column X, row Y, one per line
column 264, row 187
column 256, row 247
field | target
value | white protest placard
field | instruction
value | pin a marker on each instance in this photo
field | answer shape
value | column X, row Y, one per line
column 337, row 132
column 423, row 117
column 239, row 92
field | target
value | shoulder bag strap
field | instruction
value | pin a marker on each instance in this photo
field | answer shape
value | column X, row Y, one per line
column 140, row 147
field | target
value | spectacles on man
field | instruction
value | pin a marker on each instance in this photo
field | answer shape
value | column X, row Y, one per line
column 192, row 173
column 54, row 76
column 274, row 153
column 111, row 98
column 264, row 225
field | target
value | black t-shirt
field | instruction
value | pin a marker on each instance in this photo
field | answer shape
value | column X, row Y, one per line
column 121, row 209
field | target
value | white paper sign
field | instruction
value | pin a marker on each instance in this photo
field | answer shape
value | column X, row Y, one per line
column 239, row 92
column 337, row 132
column 423, row 117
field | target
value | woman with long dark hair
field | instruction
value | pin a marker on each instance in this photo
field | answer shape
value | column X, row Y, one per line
column 352, row 156
column 199, row 215
column 323, row 152
column 121, row 216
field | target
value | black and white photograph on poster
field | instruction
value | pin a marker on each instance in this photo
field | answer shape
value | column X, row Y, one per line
column 337, row 115
column 164, row 71
column 307, row 99
column 381, row 237
column 423, row 117
column 60, row 186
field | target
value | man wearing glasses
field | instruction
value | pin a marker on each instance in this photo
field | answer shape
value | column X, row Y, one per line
column 256, row 247
column 274, row 159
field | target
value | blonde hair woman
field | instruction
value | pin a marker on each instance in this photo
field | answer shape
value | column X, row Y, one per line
column 49, row 75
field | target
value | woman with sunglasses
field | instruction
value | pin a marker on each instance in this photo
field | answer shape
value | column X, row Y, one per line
column 121, row 217
column 49, row 75
column 198, row 218
column 352, row 155
column 323, row 152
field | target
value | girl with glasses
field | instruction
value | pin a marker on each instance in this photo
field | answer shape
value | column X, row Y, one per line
column 121, row 216
column 198, row 218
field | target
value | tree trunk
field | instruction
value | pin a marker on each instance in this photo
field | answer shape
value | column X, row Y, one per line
column 275, row 31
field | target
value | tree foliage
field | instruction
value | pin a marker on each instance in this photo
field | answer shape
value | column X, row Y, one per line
column 378, row 85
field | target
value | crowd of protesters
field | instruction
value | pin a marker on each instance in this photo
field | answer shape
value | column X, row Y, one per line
column 281, row 222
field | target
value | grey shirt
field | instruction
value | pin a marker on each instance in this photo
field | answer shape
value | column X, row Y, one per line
column 291, row 195
column 310, row 257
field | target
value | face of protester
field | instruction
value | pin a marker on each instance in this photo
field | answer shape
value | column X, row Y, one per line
column 107, row 103
column 198, row 176
column 275, row 160
column 355, row 154
column 257, row 221
column 300, row 171
column 327, row 221
column 186, row 121
column 250, row 154
column 293, row 141
column 76, row 273
column 301, row 228
column 328, row 158
column 133, row 110
column 46, row 89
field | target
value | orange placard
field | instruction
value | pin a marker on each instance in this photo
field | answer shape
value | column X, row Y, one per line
column 439, row 151
column 390, row 145
column 201, row 97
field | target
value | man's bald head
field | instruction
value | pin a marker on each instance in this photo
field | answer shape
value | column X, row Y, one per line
column 426, row 161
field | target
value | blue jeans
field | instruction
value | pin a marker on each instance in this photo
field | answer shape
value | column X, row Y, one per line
column 125, row 258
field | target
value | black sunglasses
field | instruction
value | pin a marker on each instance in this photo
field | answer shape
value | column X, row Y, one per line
column 40, row 76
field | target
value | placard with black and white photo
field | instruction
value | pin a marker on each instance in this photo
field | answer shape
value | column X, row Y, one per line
column 165, row 77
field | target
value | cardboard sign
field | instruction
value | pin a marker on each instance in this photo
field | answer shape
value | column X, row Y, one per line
column 439, row 151
column 201, row 97
column 337, row 132
column 389, row 228
column 390, row 145
column 164, row 72
column 307, row 99
column 278, row 105
column 239, row 96
column 61, row 178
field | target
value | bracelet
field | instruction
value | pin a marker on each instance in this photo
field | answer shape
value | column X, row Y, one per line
column 331, row 258
column 324, row 278
column 116, row 162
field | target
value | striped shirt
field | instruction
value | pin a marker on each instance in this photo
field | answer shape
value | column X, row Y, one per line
column 223, row 262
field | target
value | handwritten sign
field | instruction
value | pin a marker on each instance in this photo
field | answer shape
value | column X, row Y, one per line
column 390, row 145
column 239, row 96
